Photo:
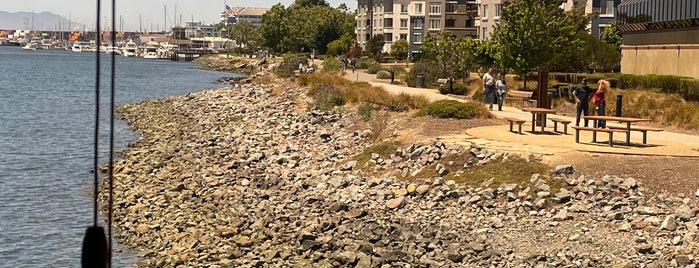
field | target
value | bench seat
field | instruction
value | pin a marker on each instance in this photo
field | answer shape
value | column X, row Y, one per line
column 641, row 129
column 562, row 121
column 524, row 96
column 517, row 121
column 594, row 133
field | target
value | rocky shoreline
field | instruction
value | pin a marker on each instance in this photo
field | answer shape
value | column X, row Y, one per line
column 246, row 177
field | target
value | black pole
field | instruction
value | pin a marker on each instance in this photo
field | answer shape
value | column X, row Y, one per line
column 618, row 105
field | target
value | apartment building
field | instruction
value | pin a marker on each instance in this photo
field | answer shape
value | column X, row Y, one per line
column 240, row 14
column 660, row 37
column 489, row 14
column 413, row 20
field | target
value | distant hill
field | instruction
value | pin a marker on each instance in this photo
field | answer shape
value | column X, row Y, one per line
column 45, row 21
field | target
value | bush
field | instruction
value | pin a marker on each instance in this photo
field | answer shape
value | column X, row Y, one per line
column 365, row 63
column 373, row 69
column 411, row 79
column 478, row 95
column 383, row 74
column 457, row 89
column 333, row 64
column 454, row 109
column 428, row 69
column 683, row 86
column 327, row 97
column 364, row 111
column 290, row 64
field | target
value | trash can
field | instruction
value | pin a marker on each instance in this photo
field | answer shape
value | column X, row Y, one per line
column 420, row 81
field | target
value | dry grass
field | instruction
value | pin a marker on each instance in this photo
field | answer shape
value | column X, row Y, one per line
column 663, row 108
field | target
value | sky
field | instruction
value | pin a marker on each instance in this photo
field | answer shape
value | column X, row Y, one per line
column 151, row 12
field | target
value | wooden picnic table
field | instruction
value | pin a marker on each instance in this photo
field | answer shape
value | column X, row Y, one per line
column 627, row 120
column 541, row 111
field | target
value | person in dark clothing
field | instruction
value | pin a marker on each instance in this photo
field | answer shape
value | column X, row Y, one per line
column 583, row 94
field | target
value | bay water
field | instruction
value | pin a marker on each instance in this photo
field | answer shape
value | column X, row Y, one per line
column 47, row 118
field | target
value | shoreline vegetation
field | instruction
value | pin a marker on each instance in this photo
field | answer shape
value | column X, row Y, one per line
column 249, row 176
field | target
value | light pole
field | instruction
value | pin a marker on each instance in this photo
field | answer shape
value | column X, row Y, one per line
column 226, row 44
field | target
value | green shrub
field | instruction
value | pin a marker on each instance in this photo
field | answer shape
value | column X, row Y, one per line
column 290, row 64
column 457, row 88
column 689, row 89
column 327, row 97
column 383, row 74
column 332, row 64
column 410, row 79
column 373, row 69
column 364, row 111
column 365, row 63
column 428, row 69
column 454, row 109
column 664, row 83
column 398, row 69
column 478, row 95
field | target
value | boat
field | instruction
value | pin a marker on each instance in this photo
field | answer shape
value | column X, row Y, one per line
column 150, row 51
column 130, row 49
column 31, row 46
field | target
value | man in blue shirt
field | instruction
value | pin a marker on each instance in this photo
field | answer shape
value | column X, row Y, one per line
column 582, row 94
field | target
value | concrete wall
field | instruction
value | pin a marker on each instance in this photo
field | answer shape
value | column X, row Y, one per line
column 682, row 60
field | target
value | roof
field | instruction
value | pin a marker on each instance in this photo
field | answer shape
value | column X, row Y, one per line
column 251, row 11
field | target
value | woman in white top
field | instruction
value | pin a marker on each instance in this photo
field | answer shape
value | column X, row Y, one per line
column 500, row 90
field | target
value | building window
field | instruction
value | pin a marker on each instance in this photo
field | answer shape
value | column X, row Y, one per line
column 452, row 8
column 485, row 12
column 435, row 8
column 404, row 8
column 485, row 33
column 497, row 10
column 418, row 24
column 607, row 8
column 404, row 36
column 435, row 24
column 388, row 37
column 449, row 23
column 418, row 8
column 417, row 39
column 470, row 23
column 387, row 23
column 404, row 23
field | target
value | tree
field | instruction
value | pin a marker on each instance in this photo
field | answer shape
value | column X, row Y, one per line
column 612, row 35
column 244, row 34
column 375, row 44
column 534, row 35
column 273, row 29
column 399, row 49
column 340, row 46
column 310, row 3
column 454, row 55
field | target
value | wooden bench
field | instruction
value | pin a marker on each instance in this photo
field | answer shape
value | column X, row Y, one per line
column 524, row 96
column 562, row 121
column 643, row 130
column 594, row 133
column 517, row 121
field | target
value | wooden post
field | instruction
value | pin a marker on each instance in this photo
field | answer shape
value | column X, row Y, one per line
column 542, row 96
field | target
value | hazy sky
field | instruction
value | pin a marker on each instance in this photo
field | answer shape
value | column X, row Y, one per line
column 152, row 12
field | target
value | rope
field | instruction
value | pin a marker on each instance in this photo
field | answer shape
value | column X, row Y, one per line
column 112, row 34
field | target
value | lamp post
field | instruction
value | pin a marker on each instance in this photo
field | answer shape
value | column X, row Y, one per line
column 227, row 46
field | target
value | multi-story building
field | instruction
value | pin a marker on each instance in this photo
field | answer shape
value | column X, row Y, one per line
column 413, row 20
column 660, row 37
column 239, row 14
column 489, row 14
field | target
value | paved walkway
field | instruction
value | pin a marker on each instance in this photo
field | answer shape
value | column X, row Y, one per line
column 499, row 137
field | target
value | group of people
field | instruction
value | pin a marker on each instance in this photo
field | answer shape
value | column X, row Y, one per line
column 495, row 91
column 351, row 62
column 306, row 70
column 584, row 94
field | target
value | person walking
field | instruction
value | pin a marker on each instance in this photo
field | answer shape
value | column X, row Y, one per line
column 500, row 87
column 582, row 95
column 489, row 88
column 598, row 100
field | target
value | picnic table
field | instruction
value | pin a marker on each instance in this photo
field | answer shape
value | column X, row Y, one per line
column 540, row 111
column 627, row 120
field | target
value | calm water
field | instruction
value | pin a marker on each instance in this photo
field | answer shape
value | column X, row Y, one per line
column 46, row 138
